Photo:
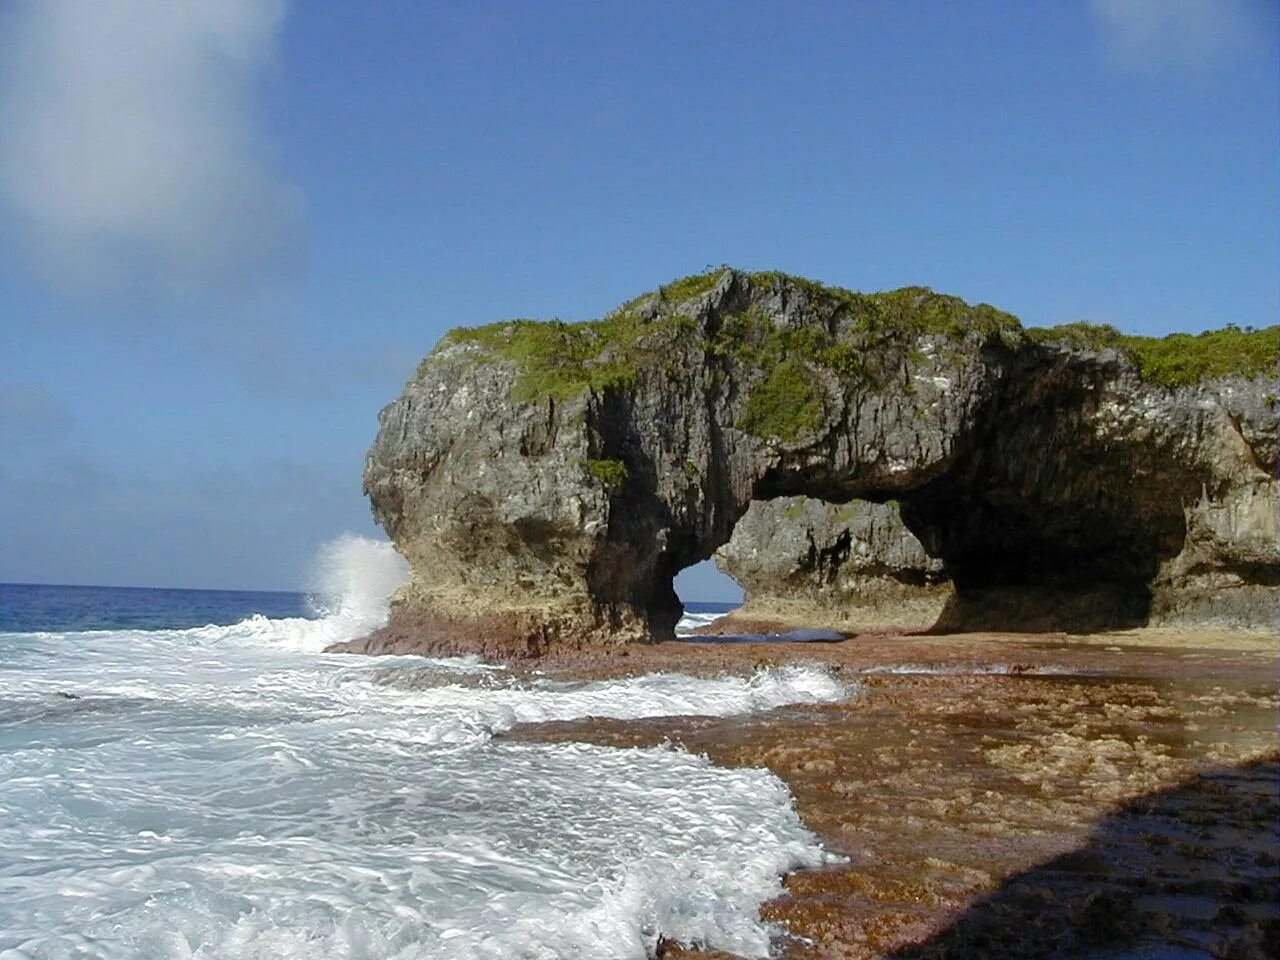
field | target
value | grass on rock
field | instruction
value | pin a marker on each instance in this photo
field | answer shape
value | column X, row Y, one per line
column 1178, row 359
column 852, row 335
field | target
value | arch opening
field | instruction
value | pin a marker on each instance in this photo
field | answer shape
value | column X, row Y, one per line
column 947, row 556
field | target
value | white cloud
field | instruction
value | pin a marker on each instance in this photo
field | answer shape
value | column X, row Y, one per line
column 129, row 155
column 1194, row 34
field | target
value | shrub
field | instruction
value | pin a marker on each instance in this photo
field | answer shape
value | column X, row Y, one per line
column 613, row 474
column 784, row 405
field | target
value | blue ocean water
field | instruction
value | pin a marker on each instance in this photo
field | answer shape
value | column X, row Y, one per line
column 185, row 774
column 29, row 607
column 42, row 607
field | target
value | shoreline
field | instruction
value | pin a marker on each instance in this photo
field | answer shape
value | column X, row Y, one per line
column 997, row 793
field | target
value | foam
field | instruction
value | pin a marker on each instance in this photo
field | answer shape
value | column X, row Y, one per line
column 221, row 792
column 690, row 622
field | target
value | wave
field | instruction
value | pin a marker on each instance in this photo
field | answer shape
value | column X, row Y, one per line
column 225, row 792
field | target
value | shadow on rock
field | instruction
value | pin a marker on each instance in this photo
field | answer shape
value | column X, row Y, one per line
column 1188, row 873
column 1046, row 609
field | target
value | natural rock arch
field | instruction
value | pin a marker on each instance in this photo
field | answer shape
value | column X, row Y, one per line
column 548, row 480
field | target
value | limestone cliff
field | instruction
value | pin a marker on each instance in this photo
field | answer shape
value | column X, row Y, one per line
column 547, row 480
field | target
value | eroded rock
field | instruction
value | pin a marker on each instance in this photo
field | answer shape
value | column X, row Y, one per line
column 854, row 565
column 547, row 480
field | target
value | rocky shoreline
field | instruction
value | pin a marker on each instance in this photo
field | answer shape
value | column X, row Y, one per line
column 1006, row 795
column 906, row 469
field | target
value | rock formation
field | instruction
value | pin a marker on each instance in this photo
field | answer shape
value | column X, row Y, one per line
column 853, row 565
column 547, row 480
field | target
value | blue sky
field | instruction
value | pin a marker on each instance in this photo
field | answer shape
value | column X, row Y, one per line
column 229, row 231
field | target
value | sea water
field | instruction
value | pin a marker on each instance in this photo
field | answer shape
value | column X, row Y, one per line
column 185, row 774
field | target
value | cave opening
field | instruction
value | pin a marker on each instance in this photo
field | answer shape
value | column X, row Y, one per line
column 946, row 556
column 706, row 593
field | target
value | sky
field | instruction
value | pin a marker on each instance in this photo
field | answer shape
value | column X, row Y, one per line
column 228, row 232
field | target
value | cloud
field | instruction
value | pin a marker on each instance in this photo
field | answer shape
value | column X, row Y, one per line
column 1184, row 34
column 130, row 157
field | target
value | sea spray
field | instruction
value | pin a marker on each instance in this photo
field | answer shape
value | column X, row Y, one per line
column 353, row 577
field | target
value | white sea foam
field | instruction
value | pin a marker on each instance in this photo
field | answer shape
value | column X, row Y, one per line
column 690, row 622
column 352, row 579
column 220, row 792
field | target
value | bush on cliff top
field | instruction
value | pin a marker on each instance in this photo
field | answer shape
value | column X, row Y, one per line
column 560, row 360
column 911, row 311
column 1178, row 359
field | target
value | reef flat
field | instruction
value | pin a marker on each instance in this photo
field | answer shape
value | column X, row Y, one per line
column 1007, row 796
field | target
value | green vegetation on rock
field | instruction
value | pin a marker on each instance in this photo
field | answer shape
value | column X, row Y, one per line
column 848, row 512
column 686, row 288
column 612, row 473
column 918, row 310
column 785, row 405
column 794, row 509
column 753, row 339
column 843, row 332
column 564, row 360
column 909, row 311
column 560, row 360
column 1178, row 359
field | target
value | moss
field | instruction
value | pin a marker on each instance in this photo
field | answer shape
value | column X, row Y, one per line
column 612, row 473
column 691, row 470
column 564, row 360
column 785, row 405
column 1178, row 359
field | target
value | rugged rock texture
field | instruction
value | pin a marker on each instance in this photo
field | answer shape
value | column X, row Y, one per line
column 547, row 480
column 853, row 565
column 1185, row 532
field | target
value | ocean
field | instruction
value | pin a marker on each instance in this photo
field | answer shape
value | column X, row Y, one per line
column 184, row 774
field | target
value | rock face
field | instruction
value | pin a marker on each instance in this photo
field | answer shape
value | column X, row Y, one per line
column 852, row 565
column 546, row 481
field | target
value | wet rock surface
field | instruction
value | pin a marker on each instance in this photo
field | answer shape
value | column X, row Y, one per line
column 999, row 796
column 546, row 481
